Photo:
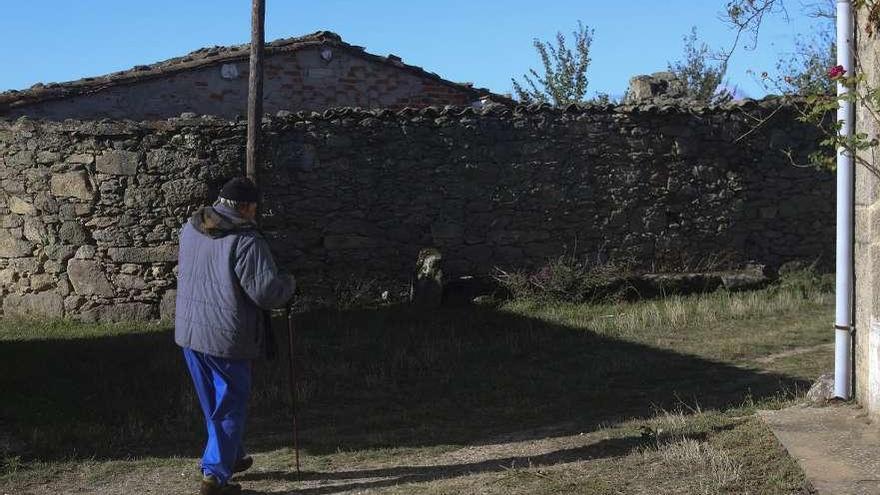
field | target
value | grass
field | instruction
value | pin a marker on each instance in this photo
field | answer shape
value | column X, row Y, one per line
column 521, row 398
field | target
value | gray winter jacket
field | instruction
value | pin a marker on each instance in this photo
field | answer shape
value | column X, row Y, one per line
column 226, row 280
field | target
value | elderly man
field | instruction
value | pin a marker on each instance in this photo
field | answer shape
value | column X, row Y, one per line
column 227, row 279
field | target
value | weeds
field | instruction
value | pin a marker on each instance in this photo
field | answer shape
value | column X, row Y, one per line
column 10, row 465
column 713, row 467
column 568, row 279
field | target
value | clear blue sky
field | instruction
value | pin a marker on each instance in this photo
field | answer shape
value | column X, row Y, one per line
column 485, row 42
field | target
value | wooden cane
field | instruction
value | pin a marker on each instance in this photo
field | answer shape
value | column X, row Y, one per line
column 291, row 380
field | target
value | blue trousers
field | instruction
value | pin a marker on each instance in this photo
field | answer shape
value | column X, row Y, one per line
column 223, row 387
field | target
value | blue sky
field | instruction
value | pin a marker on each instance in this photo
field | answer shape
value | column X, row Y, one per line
column 485, row 42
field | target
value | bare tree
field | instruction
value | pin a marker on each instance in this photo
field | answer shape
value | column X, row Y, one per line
column 564, row 79
column 804, row 70
column 746, row 18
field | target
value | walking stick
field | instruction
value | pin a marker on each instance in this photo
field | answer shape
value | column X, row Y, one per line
column 291, row 380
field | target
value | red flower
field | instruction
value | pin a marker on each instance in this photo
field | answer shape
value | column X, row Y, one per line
column 836, row 72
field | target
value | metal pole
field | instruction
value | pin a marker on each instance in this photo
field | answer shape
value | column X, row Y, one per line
column 291, row 380
column 843, row 324
column 255, row 88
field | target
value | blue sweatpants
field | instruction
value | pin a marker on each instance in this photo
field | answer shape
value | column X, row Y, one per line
column 223, row 387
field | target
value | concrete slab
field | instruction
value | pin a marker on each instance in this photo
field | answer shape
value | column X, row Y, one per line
column 836, row 446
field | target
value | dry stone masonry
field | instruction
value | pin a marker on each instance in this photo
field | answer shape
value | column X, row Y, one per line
column 90, row 210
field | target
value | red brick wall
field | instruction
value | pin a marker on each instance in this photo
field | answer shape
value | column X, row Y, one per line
column 293, row 81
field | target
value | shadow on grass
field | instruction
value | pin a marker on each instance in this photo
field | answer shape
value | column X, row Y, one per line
column 379, row 378
column 371, row 478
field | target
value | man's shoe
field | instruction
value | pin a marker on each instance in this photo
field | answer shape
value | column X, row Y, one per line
column 240, row 466
column 243, row 464
column 211, row 486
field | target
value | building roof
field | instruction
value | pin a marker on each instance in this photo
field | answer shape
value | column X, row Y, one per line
column 216, row 55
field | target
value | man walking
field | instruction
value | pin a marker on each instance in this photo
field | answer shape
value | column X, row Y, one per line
column 227, row 279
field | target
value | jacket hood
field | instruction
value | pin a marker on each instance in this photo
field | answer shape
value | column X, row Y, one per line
column 219, row 221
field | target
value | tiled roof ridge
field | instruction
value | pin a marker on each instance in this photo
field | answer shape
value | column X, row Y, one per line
column 768, row 105
column 208, row 56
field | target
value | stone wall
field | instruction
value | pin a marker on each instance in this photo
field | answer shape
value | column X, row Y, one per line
column 90, row 210
column 867, row 239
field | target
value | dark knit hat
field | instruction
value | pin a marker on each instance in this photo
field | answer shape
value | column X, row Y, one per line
column 240, row 189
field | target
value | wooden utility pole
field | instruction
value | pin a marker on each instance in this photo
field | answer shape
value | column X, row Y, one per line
column 255, row 88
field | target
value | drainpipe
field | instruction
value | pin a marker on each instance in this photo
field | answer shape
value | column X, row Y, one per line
column 843, row 324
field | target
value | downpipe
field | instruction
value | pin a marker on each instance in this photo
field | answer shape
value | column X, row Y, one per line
column 843, row 320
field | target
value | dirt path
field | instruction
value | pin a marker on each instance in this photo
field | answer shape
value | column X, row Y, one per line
column 390, row 471
column 793, row 352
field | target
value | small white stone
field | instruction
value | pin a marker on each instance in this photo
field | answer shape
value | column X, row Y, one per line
column 129, row 268
column 20, row 206
column 85, row 252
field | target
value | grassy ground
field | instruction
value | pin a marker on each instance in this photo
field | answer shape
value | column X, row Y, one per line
column 645, row 397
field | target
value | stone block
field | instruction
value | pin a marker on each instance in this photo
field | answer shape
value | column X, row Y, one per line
column 509, row 254
column 160, row 254
column 85, row 252
column 768, row 212
column 12, row 186
column 8, row 276
column 59, row 252
column 11, row 222
column 478, row 253
column 20, row 206
column 129, row 282
column 164, row 160
column 22, row 159
column 72, row 232
column 12, row 246
column 35, row 231
column 83, row 209
column 42, row 281
column 45, row 202
column 140, row 196
column 351, row 226
column 45, row 157
column 88, row 278
column 25, row 266
column 116, row 162
column 871, row 264
column 873, row 219
column 54, row 267
column 81, row 158
column 63, row 285
column 822, row 389
column 73, row 302
column 864, row 218
column 446, row 232
column 114, row 236
column 185, row 191
column 129, row 268
column 121, row 312
column 43, row 304
column 867, row 187
column 168, row 305
column 349, row 242
column 72, row 185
